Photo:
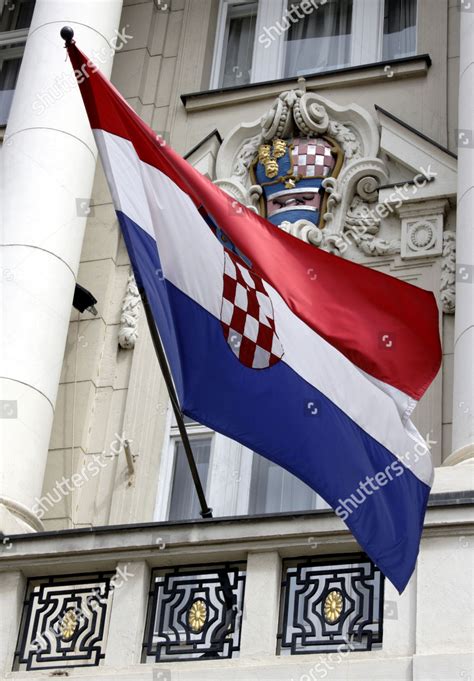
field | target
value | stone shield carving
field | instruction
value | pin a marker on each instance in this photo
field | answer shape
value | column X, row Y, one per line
column 302, row 165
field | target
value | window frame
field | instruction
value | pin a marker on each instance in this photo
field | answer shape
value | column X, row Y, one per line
column 12, row 13
column 417, row 20
column 168, row 462
column 221, row 34
column 227, row 486
column 229, row 479
column 12, row 42
column 367, row 38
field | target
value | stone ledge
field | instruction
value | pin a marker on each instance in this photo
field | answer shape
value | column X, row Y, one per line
column 408, row 67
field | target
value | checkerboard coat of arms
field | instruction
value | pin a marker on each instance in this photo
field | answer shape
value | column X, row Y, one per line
column 291, row 173
column 247, row 316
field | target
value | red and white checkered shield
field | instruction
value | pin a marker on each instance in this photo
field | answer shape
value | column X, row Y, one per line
column 247, row 316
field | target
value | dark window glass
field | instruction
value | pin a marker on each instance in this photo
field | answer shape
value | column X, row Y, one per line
column 184, row 501
column 322, row 40
column 399, row 29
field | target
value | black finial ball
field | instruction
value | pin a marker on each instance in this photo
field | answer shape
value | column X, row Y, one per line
column 67, row 34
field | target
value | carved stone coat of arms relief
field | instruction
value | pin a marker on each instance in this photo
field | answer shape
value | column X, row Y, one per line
column 310, row 167
column 291, row 173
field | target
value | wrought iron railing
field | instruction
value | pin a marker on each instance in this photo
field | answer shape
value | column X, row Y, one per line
column 194, row 612
column 64, row 621
column 330, row 604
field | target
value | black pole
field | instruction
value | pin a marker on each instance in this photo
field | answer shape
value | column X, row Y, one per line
column 205, row 512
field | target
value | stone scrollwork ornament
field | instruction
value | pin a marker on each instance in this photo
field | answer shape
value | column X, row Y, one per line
column 310, row 115
column 448, row 272
column 128, row 329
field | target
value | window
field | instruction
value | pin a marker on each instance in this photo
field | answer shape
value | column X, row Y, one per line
column 399, row 28
column 320, row 41
column 239, row 38
column 14, row 23
column 236, row 481
column 270, row 39
column 273, row 489
column 184, row 503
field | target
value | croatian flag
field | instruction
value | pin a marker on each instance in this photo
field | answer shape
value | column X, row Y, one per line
column 309, row 360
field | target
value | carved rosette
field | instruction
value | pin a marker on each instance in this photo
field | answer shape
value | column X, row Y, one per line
column 422, row 237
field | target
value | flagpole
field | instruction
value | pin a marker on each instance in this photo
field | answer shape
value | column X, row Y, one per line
column 205, row 511
column 67, row 34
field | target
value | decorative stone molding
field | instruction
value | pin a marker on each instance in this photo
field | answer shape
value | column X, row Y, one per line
column 422, row 228
column 350, row 195
column 422, row 236
column 128, row 330
column 448, row 273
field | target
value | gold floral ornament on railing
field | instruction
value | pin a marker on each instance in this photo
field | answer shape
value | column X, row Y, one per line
column 333, row 606
column 68, row 625
column 197, row 616
column 268, row 156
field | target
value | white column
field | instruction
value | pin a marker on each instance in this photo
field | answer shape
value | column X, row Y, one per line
column 463, row 390
column 48, row 163
column 128, row 614
column 12, row 592
column 261, row 605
